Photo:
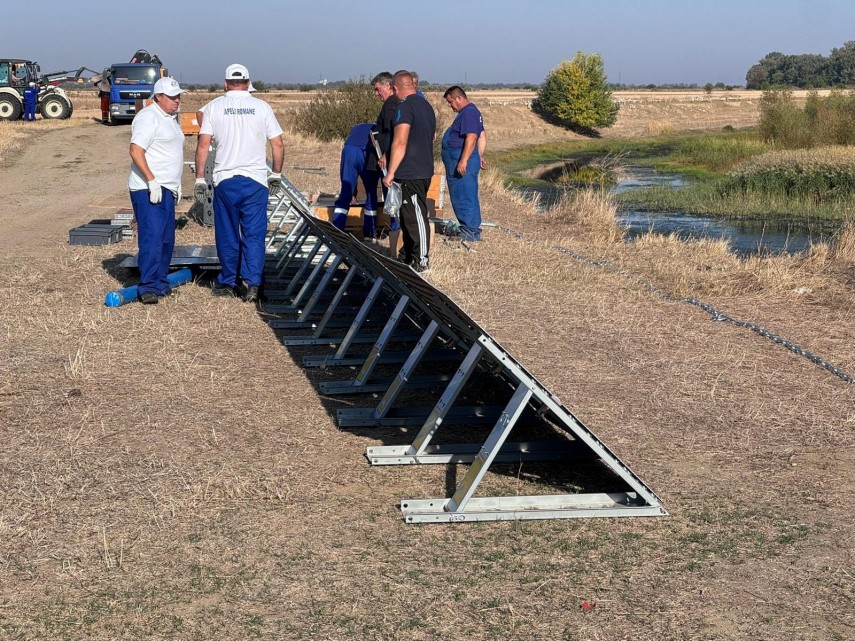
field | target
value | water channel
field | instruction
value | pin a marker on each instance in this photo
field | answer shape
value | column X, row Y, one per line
column 746, row 237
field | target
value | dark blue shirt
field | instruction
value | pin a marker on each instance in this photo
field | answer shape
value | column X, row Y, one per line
column 418, row 159
column 468, row 121
column 386, row 123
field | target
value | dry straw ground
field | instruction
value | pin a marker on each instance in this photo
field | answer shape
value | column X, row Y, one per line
column 170, row 472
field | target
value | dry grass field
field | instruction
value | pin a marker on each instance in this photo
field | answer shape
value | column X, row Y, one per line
column 172, row 472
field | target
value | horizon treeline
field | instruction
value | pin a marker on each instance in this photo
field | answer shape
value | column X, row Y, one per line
column 804, row 71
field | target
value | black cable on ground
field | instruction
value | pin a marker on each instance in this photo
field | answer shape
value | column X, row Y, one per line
column 716, row 314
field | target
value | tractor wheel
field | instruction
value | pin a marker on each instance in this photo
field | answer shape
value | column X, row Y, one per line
column 10, row 108
column 55, row 107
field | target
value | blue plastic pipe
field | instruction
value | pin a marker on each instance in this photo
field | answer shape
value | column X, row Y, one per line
column 129, row 294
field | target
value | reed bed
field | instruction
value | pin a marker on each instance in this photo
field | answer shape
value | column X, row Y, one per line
column 820, row 175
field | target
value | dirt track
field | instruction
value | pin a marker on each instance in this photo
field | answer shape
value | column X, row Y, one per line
column 52, row 183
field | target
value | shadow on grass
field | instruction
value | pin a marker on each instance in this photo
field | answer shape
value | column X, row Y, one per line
column 587, row 132
column 350, row 393
column 124, row 276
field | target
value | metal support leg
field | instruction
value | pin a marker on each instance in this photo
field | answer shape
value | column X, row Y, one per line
column 306, row 262
column 334, row 303
column 312, row 277
column 325, row 281
column 403, row 454
column 489, row 450
column 296, row 228
column 382, row 342
column 361, row 315
column 407, row 370
column 461, row 376
column 292, row 252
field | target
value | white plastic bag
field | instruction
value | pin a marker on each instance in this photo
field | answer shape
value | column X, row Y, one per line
column 394, row 198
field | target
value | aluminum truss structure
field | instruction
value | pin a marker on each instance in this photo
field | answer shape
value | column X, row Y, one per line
column 331, row 281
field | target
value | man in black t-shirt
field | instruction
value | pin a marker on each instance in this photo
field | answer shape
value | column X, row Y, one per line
column 383, row 89
column 411, row 165
column 384, row 127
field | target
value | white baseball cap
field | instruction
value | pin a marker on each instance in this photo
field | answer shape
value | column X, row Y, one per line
column 168, row 86
column 237, row 72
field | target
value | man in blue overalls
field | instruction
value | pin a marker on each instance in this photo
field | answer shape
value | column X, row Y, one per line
column 462, row 160
column 354, row 164
column 31, row 99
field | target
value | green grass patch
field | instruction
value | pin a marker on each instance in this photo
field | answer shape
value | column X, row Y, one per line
column 703, row 156
column 816, row 184
column 715, row 199
column 711, row 156
column 516, row 163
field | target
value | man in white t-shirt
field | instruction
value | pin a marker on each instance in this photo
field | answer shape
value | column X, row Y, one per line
column 240, row 125
column 157, row 152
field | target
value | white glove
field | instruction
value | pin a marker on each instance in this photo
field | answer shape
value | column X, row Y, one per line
column 200, row 191
column 155, row 192
column 274, row 180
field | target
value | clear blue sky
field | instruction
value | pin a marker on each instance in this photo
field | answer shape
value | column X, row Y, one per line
column 446, row 41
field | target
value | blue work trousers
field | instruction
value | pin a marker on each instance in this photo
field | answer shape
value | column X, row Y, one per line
column 29, row 110
column 155, row 239
column 464, row 191
column 352, row 167
column 240, row 224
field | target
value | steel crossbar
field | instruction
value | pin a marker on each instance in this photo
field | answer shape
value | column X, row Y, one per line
column 414, row 313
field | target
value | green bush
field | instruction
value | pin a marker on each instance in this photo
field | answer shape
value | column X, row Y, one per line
column 333, row 112
column 576, row 95
column 828, row 120
column 782, row 122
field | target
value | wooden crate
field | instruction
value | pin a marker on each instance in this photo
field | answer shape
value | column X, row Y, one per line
column 189, row 125
column 325, row 210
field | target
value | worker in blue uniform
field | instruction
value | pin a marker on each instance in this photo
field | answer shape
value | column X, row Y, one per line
column 354, row 164
column 31, row 99
column 241, row 126
column 461, row 146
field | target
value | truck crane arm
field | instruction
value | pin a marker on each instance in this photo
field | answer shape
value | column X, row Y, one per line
column 57, row 77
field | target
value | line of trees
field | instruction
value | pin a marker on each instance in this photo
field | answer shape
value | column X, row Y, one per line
column 804, row 71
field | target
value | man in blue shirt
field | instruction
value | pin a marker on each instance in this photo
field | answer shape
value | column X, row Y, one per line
column 354, row 164
column 411, row 165
column 462, row 160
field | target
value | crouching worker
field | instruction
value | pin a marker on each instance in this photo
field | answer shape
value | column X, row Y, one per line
column 157, row 152
column 355, row 156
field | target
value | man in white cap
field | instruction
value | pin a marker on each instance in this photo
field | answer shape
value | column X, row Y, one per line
column 157, row 152
column 240, row 125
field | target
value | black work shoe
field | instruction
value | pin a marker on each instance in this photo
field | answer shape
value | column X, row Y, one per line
column 148, row 298
column 222, row 290
column 251, row 295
